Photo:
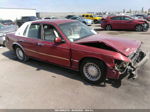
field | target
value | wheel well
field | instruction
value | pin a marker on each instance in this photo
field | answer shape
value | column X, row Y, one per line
column 86, row 58
column 14, row 46
column 137, row 25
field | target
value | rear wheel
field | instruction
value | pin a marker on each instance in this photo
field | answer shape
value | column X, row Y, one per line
column 108, row 27
column 139, row 28
column 20, row 54
column 93, row 71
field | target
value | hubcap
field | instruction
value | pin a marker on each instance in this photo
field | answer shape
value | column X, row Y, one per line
column 92, row 71
column 108, row 27
column 19, row 53
column 139, row 28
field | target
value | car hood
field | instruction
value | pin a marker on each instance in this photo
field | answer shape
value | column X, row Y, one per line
column 7, row 29
column 124, row 46
column 139, row 20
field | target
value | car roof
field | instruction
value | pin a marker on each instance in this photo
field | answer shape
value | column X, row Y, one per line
column 55, row 21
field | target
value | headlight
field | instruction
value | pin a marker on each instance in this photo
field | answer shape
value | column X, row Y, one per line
column 121, row 65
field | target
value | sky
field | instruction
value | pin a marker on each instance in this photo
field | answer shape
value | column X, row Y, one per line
column 77, row 5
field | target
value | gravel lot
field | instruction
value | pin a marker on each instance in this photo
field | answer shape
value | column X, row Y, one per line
column 38, row 85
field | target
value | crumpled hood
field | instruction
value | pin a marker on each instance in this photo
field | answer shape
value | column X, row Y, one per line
column 122, row 45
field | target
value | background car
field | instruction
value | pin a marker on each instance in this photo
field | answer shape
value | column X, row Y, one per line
column 124, row 23
column 25, row 19
column 69, row 16
column 95, row 18
column 52, row 17
column 7, row 22
column 83, row 20
column 142, row 16
column 4, row 30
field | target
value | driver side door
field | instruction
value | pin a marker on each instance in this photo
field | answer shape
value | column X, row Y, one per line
column 57, row 53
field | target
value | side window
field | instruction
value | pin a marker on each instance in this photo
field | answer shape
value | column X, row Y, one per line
column 91, row 16
column 116, row 18
column 87, row 16
column 82, row 15
column 50, row 33
column 34, row 31
column 126, row 18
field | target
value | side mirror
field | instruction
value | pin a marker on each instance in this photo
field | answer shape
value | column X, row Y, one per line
column 58, row 40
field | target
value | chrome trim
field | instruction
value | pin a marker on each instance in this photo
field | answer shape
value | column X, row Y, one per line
column 75, row 60
column 47, row 54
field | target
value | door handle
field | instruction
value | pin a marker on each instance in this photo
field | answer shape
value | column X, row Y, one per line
column 40, row 44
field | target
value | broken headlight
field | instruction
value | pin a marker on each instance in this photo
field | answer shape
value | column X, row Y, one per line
column 121, row 66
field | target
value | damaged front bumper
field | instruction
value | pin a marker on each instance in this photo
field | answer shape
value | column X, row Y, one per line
column 131, row 69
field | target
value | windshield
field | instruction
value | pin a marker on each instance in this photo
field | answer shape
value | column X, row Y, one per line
column 76, row 30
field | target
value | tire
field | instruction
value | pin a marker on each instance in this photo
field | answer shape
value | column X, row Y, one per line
column 20, row 54
column 93, row 71
column 145, row 27
column 139, row 28
column 108, row 27
column 95, row 21
column 4, row 43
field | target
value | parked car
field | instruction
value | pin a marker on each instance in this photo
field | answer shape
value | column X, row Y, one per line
column 51, row 17
column 6, row 29
column 124, row 22
column 142, row 16
column 69, row 16
column 83, row 20
column 25, row 19
column 95, row 18
column 73, row 45
column 7, row 22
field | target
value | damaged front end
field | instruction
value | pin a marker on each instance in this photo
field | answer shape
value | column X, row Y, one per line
column 137, row 58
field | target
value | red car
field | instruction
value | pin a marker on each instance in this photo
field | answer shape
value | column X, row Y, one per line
column 73, row 45
column 124, row 22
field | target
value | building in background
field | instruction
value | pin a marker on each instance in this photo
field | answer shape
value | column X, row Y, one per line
column 15, row 13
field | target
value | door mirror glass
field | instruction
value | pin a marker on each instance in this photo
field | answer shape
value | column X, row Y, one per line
column 58, row 40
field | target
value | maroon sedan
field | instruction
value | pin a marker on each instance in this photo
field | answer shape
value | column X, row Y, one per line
column 73, row 45
column 124, row 23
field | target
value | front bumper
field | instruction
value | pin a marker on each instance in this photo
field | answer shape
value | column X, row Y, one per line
column 136, row 64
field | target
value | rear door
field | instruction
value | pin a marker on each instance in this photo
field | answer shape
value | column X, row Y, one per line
column 127, row 23
column 29, row 39
column 116, row 22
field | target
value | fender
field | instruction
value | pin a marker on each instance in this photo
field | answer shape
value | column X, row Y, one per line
column 16, row 43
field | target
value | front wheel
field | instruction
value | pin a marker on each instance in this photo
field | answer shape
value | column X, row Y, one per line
column 93, row 71
column 139, row 28
column 108, row 27
column 20, row 54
